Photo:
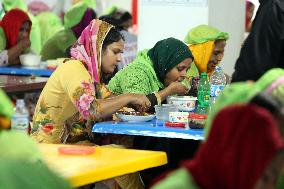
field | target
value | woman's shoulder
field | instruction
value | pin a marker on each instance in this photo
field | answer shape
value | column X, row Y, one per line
column 71, row 67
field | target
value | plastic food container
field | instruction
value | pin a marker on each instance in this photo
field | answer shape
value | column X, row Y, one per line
column 184, row 103
column 162, row 111
column 196, row 121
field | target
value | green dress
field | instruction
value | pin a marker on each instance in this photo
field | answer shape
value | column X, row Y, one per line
column 137, row 77
column 180, row 179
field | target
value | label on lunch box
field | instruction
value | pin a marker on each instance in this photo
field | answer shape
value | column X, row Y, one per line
column 181, row 117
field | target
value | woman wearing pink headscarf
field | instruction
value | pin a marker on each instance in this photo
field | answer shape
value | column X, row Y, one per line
column 77, row 87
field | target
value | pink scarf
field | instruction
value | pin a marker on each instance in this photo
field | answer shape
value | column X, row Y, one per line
column 88, row 47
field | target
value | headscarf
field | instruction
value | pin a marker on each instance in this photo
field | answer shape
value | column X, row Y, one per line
column 75, row 14
column 11, row 24
column 201, row 41
column 166, row 54
column 243, row 141
column 36, row 7
column 85, row 21
column 11, row 4
column 242, row 92
column 88, row 48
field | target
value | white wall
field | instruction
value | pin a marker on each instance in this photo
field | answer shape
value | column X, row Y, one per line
column 229, row 16
column 174, row 18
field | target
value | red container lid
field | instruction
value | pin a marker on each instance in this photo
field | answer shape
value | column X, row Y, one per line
column 174, row 124
column 197, row 116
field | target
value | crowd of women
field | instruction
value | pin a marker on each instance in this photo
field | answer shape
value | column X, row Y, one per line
column 244, row 130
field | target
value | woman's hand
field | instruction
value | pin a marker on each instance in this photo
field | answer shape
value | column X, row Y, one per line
column 177, row 88
column 25, row 43
column 140, row 102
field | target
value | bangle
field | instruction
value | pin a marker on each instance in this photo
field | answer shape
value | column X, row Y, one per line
column 159, row 101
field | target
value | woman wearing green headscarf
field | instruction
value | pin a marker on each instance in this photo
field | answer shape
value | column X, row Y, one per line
column 20, row 159
column 207, row 46
column 156, row 72
column 76, row 19
column 272, row 82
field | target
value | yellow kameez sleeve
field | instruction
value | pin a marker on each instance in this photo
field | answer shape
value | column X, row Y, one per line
column 80, row 89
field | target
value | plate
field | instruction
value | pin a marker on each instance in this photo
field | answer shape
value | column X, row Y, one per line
column 135, row 118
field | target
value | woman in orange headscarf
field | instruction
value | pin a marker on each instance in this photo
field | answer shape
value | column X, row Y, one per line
column 15, row 30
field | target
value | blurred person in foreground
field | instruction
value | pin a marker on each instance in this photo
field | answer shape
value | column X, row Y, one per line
column 245, row 149
column 20, row 158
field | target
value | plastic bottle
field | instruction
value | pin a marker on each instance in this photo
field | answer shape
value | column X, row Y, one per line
column 203, row 94
column 20, row 120
column 218, row 83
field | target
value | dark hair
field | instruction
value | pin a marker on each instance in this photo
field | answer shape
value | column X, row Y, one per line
column 268, row 102
column 113, row 36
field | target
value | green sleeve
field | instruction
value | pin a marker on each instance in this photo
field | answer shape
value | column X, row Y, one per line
column 132, row 80
column 16, row 173
column 3, row 40
column 180, row 179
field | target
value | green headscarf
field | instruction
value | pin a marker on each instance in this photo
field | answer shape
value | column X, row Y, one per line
column 74, row 15
column 204, row 33
column 10, row 4
column 243, row 92
column 6, row 106
column 49, row 24
column 166, row 54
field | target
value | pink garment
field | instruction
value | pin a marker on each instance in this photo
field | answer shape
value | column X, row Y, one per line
column 36, row 7
column 85, row 49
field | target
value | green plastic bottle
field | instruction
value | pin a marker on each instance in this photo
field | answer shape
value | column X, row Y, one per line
column 203, row 94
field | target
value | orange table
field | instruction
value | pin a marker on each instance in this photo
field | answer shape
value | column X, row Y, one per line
column 105, row 163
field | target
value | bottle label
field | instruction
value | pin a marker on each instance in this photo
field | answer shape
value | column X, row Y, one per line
column 215, row 90
column 20, row 123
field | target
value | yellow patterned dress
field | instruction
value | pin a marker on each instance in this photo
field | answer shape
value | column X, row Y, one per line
column 62, row 100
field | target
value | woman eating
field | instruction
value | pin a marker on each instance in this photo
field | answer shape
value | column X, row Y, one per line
column 76, row 88
column 156, row 72
column 207, row 45
column 15, row 30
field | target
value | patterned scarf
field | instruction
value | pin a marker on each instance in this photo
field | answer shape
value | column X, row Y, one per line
column 88, row 47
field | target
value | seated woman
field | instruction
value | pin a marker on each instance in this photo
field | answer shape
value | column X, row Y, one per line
column 156, row 72
column 77, row 86
column 75, row 20
column 207, row 45
column 15, row 30
column 76, row 93
column 243, row 150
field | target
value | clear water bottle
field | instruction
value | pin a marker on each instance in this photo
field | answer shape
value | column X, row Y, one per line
column 217, row 83
column 20, row 120
column 203, row 94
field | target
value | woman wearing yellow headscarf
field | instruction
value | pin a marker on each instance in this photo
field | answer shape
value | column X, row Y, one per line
column 207, row 46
